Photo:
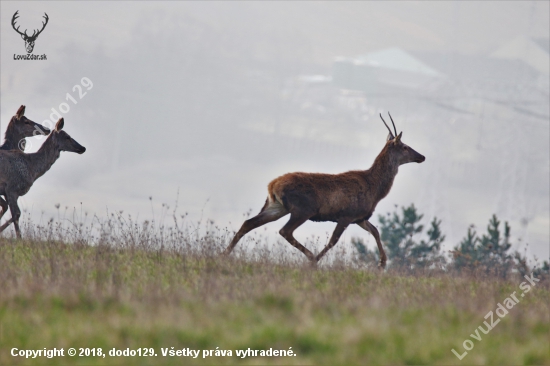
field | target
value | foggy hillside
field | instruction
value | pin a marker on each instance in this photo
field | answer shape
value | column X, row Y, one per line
column 215, row 99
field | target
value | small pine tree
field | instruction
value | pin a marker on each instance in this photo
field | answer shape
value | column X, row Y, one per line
column 399, row 236
column 466, row 253
column 543, row 271
column 488, row 252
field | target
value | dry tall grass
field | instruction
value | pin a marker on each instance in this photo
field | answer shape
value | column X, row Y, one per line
column 119, row 284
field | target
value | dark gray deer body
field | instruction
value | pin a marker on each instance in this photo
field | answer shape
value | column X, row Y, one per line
column 18, row 170
column 346, row 198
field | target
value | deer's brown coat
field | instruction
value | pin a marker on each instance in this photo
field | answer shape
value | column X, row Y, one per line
column 345, row 198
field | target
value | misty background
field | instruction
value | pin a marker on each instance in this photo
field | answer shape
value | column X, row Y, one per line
column 215, row 99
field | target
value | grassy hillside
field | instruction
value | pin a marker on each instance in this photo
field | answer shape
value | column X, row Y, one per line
column 132, row 296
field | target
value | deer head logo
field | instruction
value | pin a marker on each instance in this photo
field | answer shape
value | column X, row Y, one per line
column 29, row 40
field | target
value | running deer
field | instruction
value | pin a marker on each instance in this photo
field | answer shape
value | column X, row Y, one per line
column 18, row 170
column 346, row 198
column 14, row 138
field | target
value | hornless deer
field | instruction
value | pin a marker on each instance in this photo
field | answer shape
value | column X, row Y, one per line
column 18, row 170
column 19, row 128
column 346, row 198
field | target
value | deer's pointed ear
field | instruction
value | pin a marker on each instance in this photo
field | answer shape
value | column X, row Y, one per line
column 20, row 112
column 59, row 124
column 398, row 138
column 390, row 137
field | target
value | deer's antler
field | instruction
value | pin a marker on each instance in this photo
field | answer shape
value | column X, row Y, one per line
column 13, row 19
column 391, row 133
column 392, row 124
column 35, row 34
column 36, row 31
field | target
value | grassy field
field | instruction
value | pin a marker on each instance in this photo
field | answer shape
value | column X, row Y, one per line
column 124, row 295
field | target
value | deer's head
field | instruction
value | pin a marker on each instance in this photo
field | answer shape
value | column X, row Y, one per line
column 21, row 127
column 29, row 40
column 65, row 142
column 398, row 150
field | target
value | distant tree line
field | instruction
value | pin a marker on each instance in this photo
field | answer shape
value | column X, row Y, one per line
column 409, row 249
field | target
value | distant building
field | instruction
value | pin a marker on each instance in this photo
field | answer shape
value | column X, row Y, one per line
column 383, row 71
column 476, row 82
column 467, row 84
column 479, row 69
column 474, row 75
column 533, row 51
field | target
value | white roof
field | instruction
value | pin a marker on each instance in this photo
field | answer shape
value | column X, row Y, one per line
column 396, row 59
column 532, row 52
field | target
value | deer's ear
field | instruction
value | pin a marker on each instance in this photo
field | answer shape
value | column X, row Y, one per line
column 59, row 124
column 20, row 112
column 390, row 137
column 398, row 138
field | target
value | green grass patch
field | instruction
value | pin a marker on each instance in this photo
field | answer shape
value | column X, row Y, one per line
column 58, row 295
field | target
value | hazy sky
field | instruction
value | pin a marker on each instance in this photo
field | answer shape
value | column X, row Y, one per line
column 191, row 96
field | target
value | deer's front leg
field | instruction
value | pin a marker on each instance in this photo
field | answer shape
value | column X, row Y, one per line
column 287, row 232
column 15, row 212
column 374, row 232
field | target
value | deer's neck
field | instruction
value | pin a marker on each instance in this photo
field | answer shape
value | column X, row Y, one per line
column 11, row 139
column 8, row 145
column 42, row 160
column 382, row 173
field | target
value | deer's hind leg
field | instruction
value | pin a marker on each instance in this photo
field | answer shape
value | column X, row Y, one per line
column 15, row 214
column 270, row 212
column 6, row 224
column 4, row 206
column 340, row 227
column 286, row 232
